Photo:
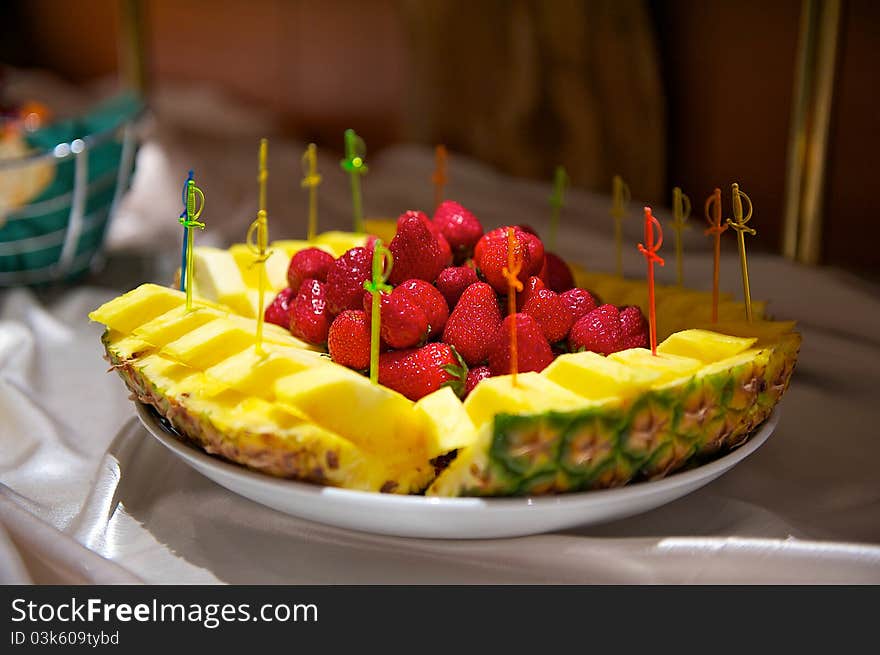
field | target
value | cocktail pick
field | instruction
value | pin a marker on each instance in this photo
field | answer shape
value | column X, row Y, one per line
column 355, row 152
column 383, row 261
column 257, row 240
column 311, row 181
column 511, row 273
column 738, row 223
column 649, row 250
column 712, row 210
column 620, row 197
column 557, row 200
column 190, row 219
column 438, row 177
column 681, row 211
column 183, row 193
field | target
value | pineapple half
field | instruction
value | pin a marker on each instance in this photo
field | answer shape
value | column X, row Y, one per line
column 585, row 422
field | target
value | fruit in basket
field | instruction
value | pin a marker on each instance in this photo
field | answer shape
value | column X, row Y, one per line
column 473, row 323
column 460, row 227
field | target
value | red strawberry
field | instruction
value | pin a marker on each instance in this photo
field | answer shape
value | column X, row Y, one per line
column 309, row 318
column 311, row 263
column 279, row 311
column 346, row 277
column 580, row 302
column 607, row 329
column 533, row 350
column 472, row 324
column 417, row 249
column 403, row 322
column 474, row 376
column 430, row 300
column 558, row 275
column 453, row 281
column 490, row 256
column 461, row 228
column 532, row 285
column 633, row 328
column 349, row 340
column 417, row 372
column 551, row 313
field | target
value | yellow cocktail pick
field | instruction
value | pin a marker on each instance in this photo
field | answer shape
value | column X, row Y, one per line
column 439, row 176
column 738, row 223
column 311, row 181
column 190, row 220
column 620, row 197
column 258, row 241
column 681, row 211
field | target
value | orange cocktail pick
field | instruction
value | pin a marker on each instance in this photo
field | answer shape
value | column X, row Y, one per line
column 649, row 250
column 439, row 176
column 511, row 273
column 712, row 210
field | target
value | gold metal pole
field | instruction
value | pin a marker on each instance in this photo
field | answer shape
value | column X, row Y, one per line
column 808, row 136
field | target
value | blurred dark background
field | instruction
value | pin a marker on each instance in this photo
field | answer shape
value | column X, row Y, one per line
column 682, row 92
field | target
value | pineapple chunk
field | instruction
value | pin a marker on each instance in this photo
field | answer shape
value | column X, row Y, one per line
column 338, row 242
column 532, row 393
column 595, row 377
column 449, row 426
column 209, row 344
column 374, row 417
column 276, row 267
column 290, row 247
column 384, row 228
column 670, row 367
column 174, row 324
column 765, row 331
column 216, row 276
column 706, row 346
column 254, row 374
column 127, row 347
column 136, row 307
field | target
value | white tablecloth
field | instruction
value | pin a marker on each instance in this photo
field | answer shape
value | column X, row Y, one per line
column 88, row 496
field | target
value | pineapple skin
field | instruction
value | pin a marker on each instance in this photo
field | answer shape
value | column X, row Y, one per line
column 654, row 434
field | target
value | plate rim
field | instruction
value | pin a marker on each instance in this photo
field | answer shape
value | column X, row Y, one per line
column 149, row 420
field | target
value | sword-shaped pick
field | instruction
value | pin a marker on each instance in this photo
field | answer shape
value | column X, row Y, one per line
column 649, row 250
column 620, row 197
column 557, row 200
column 311, row 181
column 511, row 273
column 738, row 223
column 438, row 178
column 190, row 219
column 681, row 211
column 183, row 193
column 257, row 240
column 383, row 261
column 712, row 210
column 355, row 152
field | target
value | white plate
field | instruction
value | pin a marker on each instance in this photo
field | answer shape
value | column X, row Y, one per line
column 449, row 518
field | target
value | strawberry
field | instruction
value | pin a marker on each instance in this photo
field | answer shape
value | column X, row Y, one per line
column 474, row 376
column 557, row 275
column 346, row 277
column 460, row 228
column 533, row 350
column 417, row 249
column 490, row 256
column 472, row 324
column 608, row 329
column 453, row 281
column 633, row 328
column 403, row 322
column 532, row 285
column 311, row 263
column 579, row 302
column 309, row 318
column 431, row 301
column 417, row 372
column 349, row 340
column 551, row 313
column 279, row 311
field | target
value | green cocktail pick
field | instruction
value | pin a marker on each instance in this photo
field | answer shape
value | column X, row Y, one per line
column 355, row 152
column 557, row 200
column 189, row 221
column 383, row 260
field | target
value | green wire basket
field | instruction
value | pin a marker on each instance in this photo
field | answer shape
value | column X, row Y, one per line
column 59, row 234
